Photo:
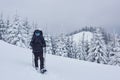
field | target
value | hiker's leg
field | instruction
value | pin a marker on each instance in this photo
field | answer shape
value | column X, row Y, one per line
column 41, row 60
column 36, row 59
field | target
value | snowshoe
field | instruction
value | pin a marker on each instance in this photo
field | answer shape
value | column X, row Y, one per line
column 42, row 71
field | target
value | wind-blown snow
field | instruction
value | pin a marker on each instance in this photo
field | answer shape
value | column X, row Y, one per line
column 86, row 35
column 16, row 64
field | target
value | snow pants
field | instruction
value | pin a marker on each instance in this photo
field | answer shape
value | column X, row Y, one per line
column 37, row 56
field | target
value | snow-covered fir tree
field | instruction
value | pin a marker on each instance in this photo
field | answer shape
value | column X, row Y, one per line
column 2, row 27
column 82, row 48
column 75, row 51
column 53, row 45
column 16, row 32
column 6, row 33
column 26, row 33
column 69, row 46
column 98, row 51
column 49, row 43
column 61, row 46
column 86, row 49
column 114, row 50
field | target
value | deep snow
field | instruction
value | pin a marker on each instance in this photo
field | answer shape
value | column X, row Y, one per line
column 16, row 64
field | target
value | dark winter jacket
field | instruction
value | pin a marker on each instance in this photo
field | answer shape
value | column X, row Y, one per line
column 37, row 43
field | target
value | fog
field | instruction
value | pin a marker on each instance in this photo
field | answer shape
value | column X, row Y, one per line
column 64, row 16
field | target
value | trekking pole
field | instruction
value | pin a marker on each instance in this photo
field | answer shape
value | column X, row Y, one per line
column 44, row 55
column 33, row 60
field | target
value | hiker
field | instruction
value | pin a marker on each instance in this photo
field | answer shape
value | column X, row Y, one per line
column 38, row 43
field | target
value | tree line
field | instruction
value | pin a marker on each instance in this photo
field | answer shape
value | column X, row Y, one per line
column 104, row 48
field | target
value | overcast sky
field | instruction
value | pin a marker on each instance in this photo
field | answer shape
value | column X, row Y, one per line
column 57, row 16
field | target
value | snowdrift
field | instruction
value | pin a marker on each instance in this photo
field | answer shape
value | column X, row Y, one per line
column 16, row 64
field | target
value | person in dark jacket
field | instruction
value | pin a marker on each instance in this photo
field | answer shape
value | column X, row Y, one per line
column 37, row 43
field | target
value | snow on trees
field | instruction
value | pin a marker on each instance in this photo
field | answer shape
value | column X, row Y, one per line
column 15, row 34
column 89, row 44
column 49, row 44
column 26, row 32
column 18, row 32
column 98, row 50
column 69, row 46
column 60, row 45
column 114, row 50
column 2, row 27
column 6, row 33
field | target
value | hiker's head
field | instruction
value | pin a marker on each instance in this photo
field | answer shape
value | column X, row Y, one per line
column 38, row 33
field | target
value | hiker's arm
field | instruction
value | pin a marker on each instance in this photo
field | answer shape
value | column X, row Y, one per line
column 31, row 42
column 44, row 43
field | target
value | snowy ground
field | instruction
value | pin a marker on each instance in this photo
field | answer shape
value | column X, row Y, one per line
column 15, row 64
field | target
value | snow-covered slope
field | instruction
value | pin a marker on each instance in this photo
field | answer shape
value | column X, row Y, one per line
column 84, row 35
column 15, row 64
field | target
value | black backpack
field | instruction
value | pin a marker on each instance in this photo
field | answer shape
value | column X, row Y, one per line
column 38, row 41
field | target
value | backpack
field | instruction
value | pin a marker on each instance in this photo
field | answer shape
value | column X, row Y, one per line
column 38, row 41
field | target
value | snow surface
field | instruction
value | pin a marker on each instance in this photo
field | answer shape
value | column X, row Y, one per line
column 16, row 64
column 86, row 35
